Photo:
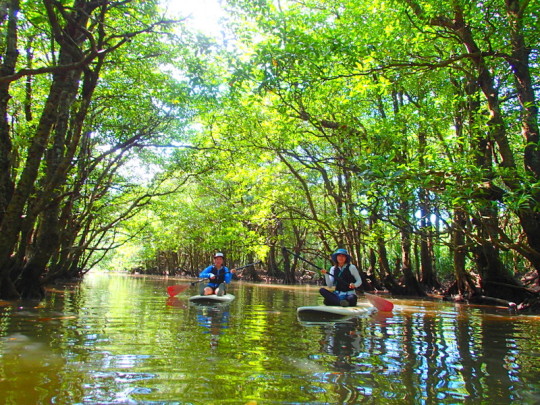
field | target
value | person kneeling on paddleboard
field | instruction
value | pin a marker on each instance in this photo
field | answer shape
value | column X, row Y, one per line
column 218, row 275
column 345, row 276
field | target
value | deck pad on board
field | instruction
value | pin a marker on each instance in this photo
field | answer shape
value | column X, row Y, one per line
column 212, row 298
column 326, row 312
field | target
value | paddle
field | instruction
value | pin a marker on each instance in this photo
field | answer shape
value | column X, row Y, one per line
column 173, row 290
column 247, row 265
column 380, row 303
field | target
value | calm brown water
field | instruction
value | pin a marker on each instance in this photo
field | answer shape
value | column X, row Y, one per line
column 119, row 340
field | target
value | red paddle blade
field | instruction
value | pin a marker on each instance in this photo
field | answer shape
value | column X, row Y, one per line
column 380, row 303
column 173, row 290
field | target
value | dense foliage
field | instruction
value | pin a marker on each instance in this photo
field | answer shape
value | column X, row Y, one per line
column 83, row 99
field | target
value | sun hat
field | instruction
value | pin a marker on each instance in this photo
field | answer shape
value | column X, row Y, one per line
column 340, row 252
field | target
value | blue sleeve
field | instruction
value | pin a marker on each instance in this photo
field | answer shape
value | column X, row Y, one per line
column 206, row 272
column 228, row 275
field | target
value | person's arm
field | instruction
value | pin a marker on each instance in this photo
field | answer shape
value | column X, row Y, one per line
column 329, row 277
column 356, row 275
column 228, row 275
column 206, row 272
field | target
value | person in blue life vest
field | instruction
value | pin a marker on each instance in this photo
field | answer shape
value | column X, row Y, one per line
column 218, row 275
column 345, row 277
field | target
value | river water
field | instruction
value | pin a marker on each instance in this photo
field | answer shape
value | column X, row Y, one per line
column 119, row 339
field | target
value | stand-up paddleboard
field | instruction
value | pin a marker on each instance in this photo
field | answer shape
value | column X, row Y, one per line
column 328, row 313
column 211, row 299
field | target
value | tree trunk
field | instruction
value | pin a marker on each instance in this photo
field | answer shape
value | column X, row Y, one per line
column 272, row 269
column 11, row 224
column 411, row 284
column 385, row 271
column 464, row 286
column 250, row 273
column 427, row 271
column 520, row 64
column 496, row 125
column 7, row 68
column 55, row 113
column 288, row 270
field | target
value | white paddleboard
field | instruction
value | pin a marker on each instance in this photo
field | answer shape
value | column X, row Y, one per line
column 326, row 312
column 209, row 299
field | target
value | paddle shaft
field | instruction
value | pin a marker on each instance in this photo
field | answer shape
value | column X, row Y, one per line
column 247, row 265
column 304, row 260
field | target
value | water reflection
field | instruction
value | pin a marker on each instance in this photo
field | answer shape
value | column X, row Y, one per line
column 342, row 339
column 121, row 340
column 176, row 302
column 214, row 319
column 428, row 357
